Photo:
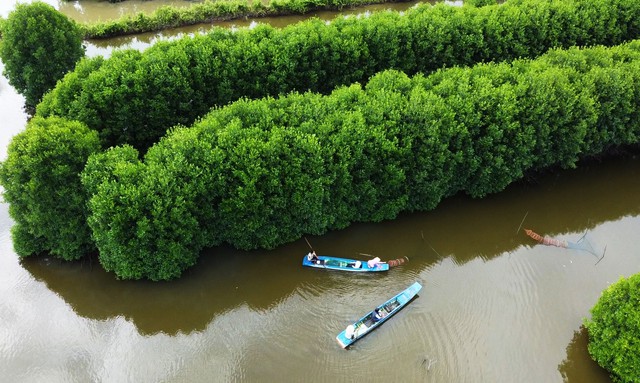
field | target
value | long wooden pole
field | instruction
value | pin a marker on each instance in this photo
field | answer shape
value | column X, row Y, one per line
column 311, row 247
column 523, row 218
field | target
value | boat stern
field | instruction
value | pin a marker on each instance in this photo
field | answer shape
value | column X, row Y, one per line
column 343, row 341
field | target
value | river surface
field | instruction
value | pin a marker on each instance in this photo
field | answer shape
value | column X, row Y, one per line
column 495, row 305
column 92, row 11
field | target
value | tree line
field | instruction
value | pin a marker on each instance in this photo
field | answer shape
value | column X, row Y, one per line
column 134, row 97
column 260, row 173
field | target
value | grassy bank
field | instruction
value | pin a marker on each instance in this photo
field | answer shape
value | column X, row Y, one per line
column 213, row 10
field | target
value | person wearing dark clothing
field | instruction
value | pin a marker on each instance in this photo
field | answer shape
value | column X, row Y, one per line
column 313, row 258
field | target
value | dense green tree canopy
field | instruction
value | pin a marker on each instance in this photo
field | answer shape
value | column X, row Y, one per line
column 41, row 181
column 39, row 45
column 260, row 173
column 614, row 330
column 134, row 97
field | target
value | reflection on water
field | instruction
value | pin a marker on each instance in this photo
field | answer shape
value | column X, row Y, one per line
column 94, row 11
column 144, row 40
column 461, row 230
column 12, row 112
column 7, row 6
column 216, row 285
column 579, row 367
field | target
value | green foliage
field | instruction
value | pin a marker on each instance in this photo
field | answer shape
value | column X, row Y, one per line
column 610, row 76
column 61, row 100
column 422, row 123
column 480, row 3
column 146, row 232
column 42, row 185
column 39, row 45
column 614, row 330
column 259, row 173
column 272, row 192
column 135, row 97
column 488, row 107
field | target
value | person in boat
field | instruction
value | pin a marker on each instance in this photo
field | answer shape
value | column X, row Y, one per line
column 374, row 262
column 350, row 332
column 377, row 315
column 356, row 264
column 313, row 258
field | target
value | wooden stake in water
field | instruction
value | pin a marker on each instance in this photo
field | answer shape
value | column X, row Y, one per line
column 520, row 227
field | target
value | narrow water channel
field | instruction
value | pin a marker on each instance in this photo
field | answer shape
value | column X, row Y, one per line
column 92, row 11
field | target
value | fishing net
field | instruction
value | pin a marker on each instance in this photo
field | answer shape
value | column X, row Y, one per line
column 585, row 244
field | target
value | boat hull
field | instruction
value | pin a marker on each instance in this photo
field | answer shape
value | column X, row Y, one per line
column 344, row 264
column 367, row 323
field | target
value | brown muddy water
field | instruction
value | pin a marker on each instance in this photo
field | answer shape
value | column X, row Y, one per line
column 92, row 11
column 495, row 306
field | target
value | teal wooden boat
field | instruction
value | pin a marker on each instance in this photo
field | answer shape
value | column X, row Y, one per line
column 344, row 264
column 377, row 317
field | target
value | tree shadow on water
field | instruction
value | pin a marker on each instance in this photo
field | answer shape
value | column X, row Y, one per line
column 463, row 228
column 578, row 367
column 223, row 280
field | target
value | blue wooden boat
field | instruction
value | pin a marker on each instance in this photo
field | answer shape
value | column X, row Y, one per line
column 378, row 316
column 334, row 263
